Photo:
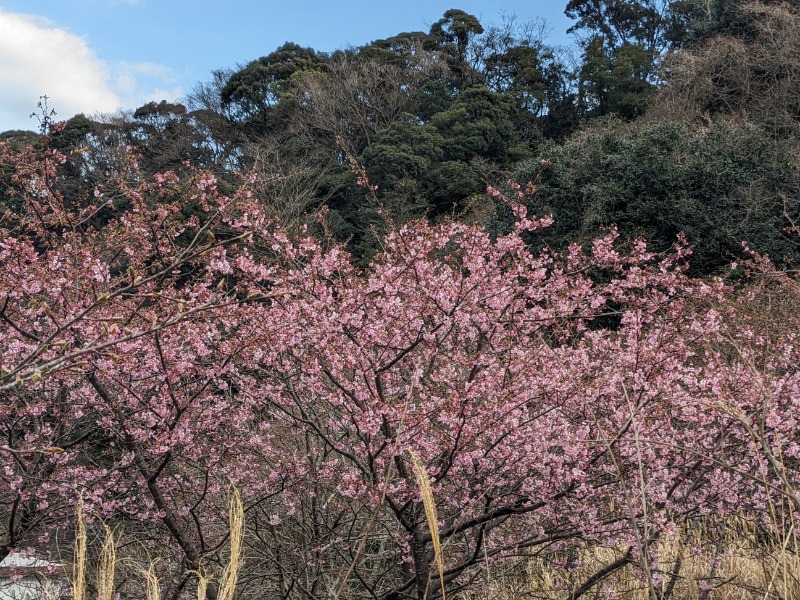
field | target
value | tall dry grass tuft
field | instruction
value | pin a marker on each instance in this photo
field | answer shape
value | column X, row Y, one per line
column 202, row 586
column 424, row 483
column 107, row 567
column 79, row 573
column 108, row 560
column 152, row 585
column 236, row 524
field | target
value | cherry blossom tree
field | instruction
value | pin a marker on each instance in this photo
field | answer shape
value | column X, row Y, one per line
column 164, row 339
column 119, row 341
column 537, row 391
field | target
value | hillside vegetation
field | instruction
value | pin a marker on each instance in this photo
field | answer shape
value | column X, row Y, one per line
column 455, row 314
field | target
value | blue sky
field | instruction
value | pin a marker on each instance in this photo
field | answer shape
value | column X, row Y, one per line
column 96, row 56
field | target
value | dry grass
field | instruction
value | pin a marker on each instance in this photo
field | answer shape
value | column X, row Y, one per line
column 236, row 528
column 708, row 559
column 711, row 561
column 107, row 567
column 79, row 577
column 202, row 586
column 428, row 502
column 152, row 585
column 109, row 560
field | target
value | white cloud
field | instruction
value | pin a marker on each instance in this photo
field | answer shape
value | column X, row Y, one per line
column 37, row 57
column 135, row 81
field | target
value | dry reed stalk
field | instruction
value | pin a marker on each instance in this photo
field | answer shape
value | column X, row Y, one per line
column 79, row 576
column 202, row 586
column 152, row 585
column 202, row 582
column 236, row 525
column 424, row 483
column 105, row 571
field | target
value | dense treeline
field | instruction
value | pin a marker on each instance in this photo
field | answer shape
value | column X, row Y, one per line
column 665, row 117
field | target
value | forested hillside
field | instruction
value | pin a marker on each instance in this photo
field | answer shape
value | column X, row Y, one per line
column 458, row 313
column 663, row 117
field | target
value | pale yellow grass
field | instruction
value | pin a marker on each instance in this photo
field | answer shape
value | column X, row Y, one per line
column 429, row 504
column 79, row 573
column 730, row 561
column 236, row 528
column 109, row 560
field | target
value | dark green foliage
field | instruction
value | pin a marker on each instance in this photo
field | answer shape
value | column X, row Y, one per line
column 623, row 42
column 19, row 138
column 479, row 123
column 623, row 22
column 429, row 165
column 399, row 50
column 453, row 34
column 255, row 89
column 522, row 72
column 449, row 184
column 406, row 149
column 719, row 186
column 455, row 29
column 73, row 135
column 615, row 81
column 163, row 135
column 432, row 97
column 687, row 18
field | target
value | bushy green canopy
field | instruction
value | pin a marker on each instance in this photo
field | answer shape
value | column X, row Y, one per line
column 720, row 186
